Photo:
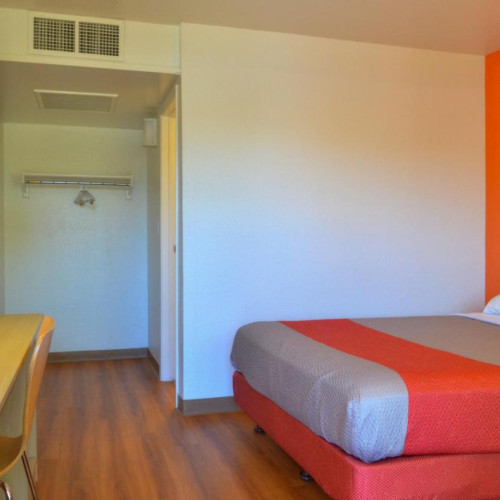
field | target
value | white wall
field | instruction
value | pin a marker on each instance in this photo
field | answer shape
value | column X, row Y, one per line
column 2, row 260
column 84, row 266
column 324, row 179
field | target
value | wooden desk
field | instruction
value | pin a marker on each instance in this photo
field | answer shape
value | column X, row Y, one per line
column 18, row 334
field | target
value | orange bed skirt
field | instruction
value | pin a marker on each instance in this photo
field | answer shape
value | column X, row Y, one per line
column 343, row 477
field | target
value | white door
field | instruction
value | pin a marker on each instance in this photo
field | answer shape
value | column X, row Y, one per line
column 169, row 121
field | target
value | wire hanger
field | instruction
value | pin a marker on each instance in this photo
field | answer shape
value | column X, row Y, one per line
column 84, row 197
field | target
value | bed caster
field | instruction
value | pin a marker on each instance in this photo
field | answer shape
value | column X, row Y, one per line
column 305, row 477
column 259, row 430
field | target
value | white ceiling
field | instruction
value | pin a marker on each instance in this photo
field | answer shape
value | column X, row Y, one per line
column 139, row 94
column 466, row 26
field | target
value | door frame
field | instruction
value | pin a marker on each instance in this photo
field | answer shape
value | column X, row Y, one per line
column 169, row 362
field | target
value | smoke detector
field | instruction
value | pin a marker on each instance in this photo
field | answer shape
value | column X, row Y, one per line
column 76, row 101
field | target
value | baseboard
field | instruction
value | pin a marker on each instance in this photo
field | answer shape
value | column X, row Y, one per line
column 192, row 407
column 66, row 357
column 154, row 364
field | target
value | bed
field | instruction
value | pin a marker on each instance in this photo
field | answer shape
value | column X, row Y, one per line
column 402, row 408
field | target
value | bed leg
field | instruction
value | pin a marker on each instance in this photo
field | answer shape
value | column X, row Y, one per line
column 305, row 476
column 259, row 430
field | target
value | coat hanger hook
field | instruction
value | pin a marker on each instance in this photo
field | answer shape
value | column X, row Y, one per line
column 84, row 197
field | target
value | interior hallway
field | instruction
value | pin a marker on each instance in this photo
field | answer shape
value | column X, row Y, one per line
column 109, row 431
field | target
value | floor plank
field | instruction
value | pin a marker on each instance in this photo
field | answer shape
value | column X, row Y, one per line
column 108, row 430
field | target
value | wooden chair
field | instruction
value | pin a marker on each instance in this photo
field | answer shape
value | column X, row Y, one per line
column 6, row 490
column 13, row 449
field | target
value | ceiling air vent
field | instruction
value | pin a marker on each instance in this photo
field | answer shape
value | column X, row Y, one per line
column 76, row 101
column 82, row 37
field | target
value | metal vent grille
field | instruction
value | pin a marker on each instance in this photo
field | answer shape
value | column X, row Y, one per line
column 53, row 34
column 76, row 101
column 99, row 39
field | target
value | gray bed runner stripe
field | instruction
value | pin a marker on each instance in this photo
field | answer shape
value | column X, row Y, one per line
column 357, row 404
column 455, row 334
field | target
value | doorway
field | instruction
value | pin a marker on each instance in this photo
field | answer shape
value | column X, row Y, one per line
column 94, row 255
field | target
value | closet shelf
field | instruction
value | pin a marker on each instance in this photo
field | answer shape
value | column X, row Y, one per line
column 111, row 181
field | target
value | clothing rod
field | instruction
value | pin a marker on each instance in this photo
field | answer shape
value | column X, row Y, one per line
column 77, row 183
column 124, row 182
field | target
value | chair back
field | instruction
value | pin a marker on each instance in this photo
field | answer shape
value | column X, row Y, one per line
column 35, row 374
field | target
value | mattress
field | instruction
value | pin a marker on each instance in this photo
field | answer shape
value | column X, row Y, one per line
column 384, row 387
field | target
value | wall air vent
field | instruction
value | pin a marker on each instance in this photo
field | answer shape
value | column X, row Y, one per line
column 76, row 101
column 82, row 37
column 100, row 39
column 53, row 34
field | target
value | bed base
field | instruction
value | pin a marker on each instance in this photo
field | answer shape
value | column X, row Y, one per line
column 305, row 476
column 343, row 477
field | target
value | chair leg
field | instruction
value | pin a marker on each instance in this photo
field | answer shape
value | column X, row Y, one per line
column 29, row 475
column 6, row 490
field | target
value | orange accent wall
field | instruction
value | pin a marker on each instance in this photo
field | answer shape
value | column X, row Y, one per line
column 492, row 175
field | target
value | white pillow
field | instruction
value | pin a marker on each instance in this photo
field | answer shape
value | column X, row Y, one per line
column 493, row 306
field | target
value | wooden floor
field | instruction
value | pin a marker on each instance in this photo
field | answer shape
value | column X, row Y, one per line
column 108, row 430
